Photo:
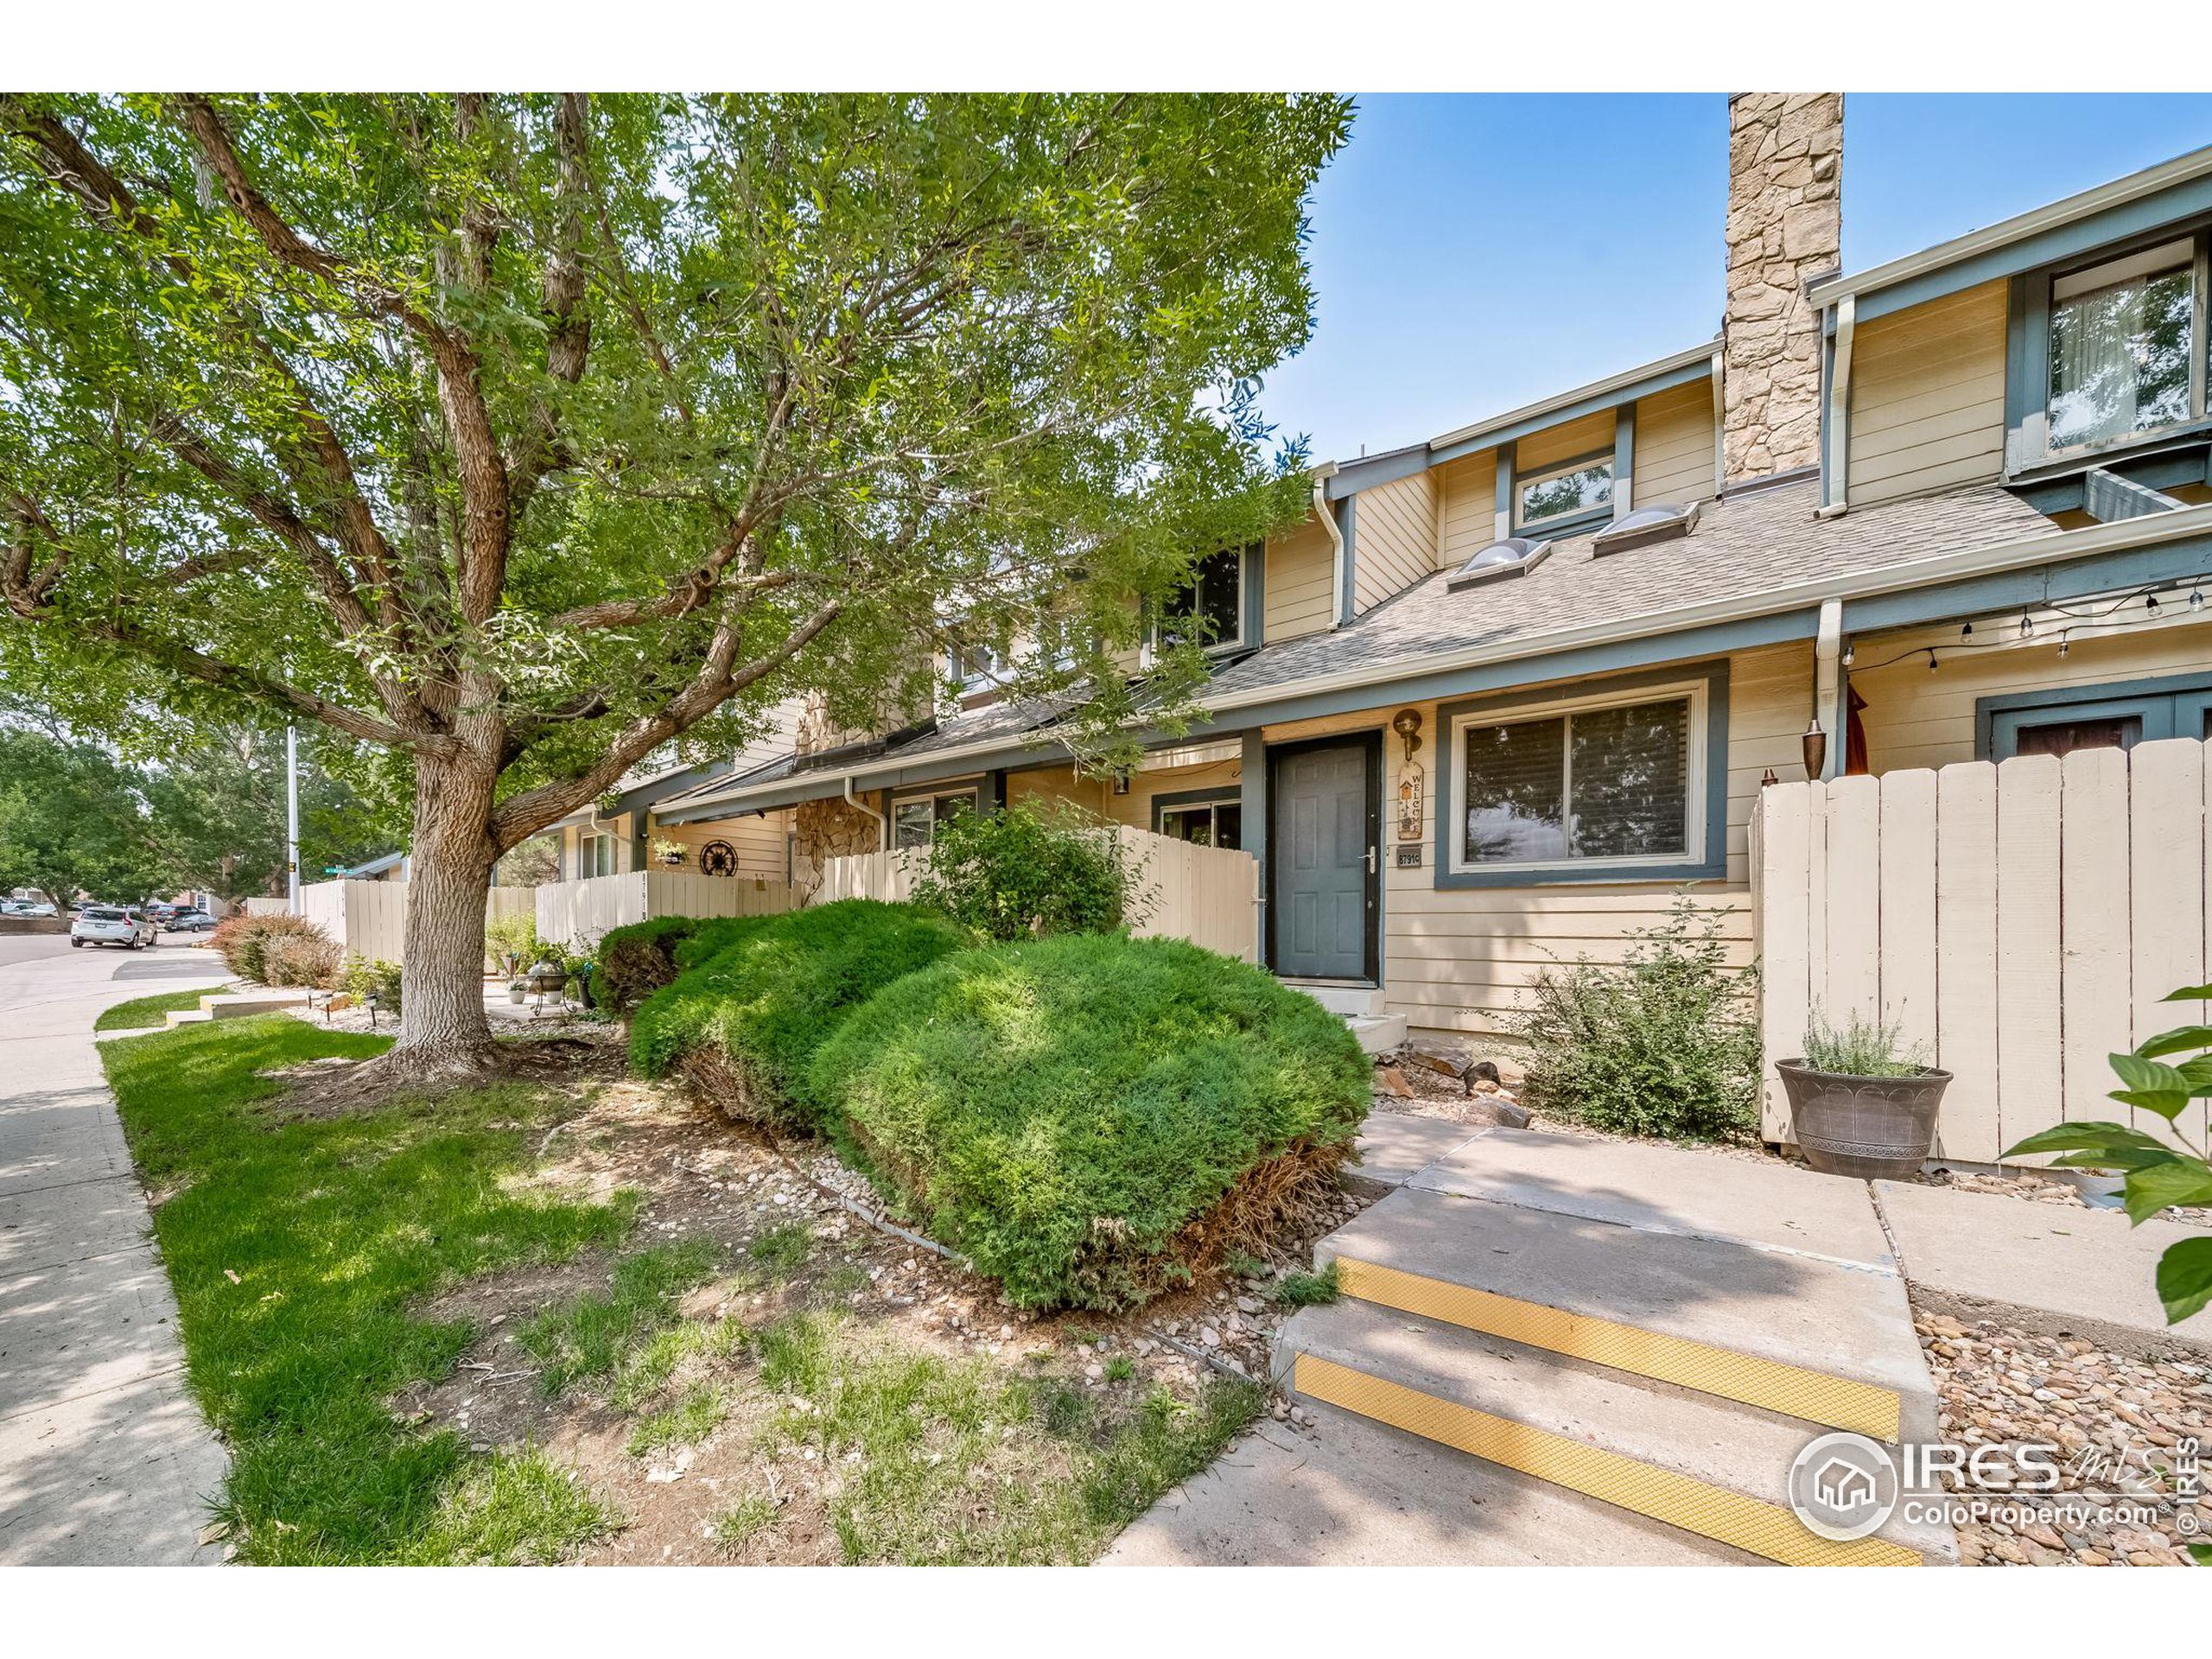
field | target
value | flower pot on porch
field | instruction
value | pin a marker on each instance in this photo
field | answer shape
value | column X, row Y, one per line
column 1875, row 1128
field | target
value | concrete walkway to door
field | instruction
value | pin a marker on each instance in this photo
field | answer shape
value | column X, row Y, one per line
column 103, row 1456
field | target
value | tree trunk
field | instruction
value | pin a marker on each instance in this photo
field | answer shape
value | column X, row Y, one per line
column 443, row 1028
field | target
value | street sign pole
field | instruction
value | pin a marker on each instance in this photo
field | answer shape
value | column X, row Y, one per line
column 292, row 819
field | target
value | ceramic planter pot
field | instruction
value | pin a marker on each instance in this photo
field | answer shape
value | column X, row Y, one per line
column 1874, row 1129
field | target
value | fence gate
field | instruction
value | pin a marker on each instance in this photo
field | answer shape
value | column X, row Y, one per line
column 2020, row 920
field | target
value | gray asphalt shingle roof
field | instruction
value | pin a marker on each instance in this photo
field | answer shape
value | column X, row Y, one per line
column 1743, row 545
column 1754, row 541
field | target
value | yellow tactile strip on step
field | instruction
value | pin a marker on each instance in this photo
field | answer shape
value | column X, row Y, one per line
column 1838, row 1402
column 1709, row 1511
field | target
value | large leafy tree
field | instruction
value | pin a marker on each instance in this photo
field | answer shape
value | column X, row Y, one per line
column 522, row 436
column 75, row 820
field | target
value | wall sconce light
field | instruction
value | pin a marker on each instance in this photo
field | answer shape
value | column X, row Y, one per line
column 1121, row 784
column 1407, row 724
column 1816, row 750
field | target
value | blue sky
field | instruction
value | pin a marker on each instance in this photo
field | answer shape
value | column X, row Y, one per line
column 1472, row 253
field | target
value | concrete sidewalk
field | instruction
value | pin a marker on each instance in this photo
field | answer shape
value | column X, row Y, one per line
column 103, row 1456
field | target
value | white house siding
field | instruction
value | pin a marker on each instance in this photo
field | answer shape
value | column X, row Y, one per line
column 1673, row 447
column 1300, row 582
column 1914, row 718
column 1394, row 543
column 1928, row 397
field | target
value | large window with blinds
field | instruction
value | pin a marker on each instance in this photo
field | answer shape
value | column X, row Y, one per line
column 1577, row 785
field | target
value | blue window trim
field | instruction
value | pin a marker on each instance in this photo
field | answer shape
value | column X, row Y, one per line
column 1713, row 865
column 2156, row 699
column 2027, row 358
column 1220, row 795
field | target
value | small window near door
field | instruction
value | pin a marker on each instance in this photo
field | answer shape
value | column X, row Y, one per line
column 2118, row 715
column 594, row 855
column 2064, row 736
column 1204, row 823
column 914, row 821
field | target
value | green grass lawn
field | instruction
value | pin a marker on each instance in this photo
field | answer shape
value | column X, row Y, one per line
column 303, row 1248
column 148, row 1010
column 298, row 1248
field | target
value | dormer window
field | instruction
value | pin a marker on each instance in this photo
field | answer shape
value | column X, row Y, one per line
column 1570, row 491
column 2120, row 346
column 979, row 669
column 1211, row 607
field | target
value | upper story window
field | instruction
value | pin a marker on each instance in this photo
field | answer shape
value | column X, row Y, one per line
column 981, row 670
column 2122, row 347
column 1565, row 491
column 1209, row 607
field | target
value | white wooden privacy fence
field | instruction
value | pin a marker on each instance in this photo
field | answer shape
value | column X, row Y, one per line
column 1209, row 895
column 2021, row 920
column 369, row 919
column 578, row 913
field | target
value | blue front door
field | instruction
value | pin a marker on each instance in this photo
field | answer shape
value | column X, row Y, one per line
column 1323, row 846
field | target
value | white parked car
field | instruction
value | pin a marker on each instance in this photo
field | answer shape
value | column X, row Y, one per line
column 32, row 908
column 110, row 924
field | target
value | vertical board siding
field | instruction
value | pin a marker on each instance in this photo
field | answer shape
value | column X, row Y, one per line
column 578, row 914
column 1209, row 895
column 1396, row 544
column 369, row 919
column 2025, row 919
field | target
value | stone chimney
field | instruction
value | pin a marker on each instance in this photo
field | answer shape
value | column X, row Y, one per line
column 1785, row 224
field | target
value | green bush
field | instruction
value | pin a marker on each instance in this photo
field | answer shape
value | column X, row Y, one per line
column 243, row 941
column 1090, row 1119
column 1023, row 872
column 1665, row 1043
column 359, row 977
column 636, row 961
column 308, row 959
column 1861, row 1047
column 744, row 1022
column 516, row 936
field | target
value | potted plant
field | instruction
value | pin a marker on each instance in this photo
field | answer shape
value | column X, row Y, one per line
column 1862, row 1104
column 671, row 853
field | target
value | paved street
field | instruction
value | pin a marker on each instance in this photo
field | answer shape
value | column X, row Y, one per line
column 103, row 1456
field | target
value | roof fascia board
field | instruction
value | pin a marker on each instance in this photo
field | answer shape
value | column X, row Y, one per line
column 2080, row 224
column 2022, row 589
column 1679, row 370
column 1771, row 615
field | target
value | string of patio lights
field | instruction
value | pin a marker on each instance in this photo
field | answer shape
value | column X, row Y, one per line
column 2093, row 617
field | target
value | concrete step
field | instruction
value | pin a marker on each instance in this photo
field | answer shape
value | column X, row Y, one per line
column 1799, row 1334
column 232, row 1005
column 177, row 1017
column 1378, row 1034
column 1352, row 1000
column 1712, row 1467
column 1352, row 1493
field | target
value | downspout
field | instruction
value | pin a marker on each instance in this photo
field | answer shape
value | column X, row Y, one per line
column 1835, row 478
column 1827, row 684
column 1322, row 474
column 882, row 828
